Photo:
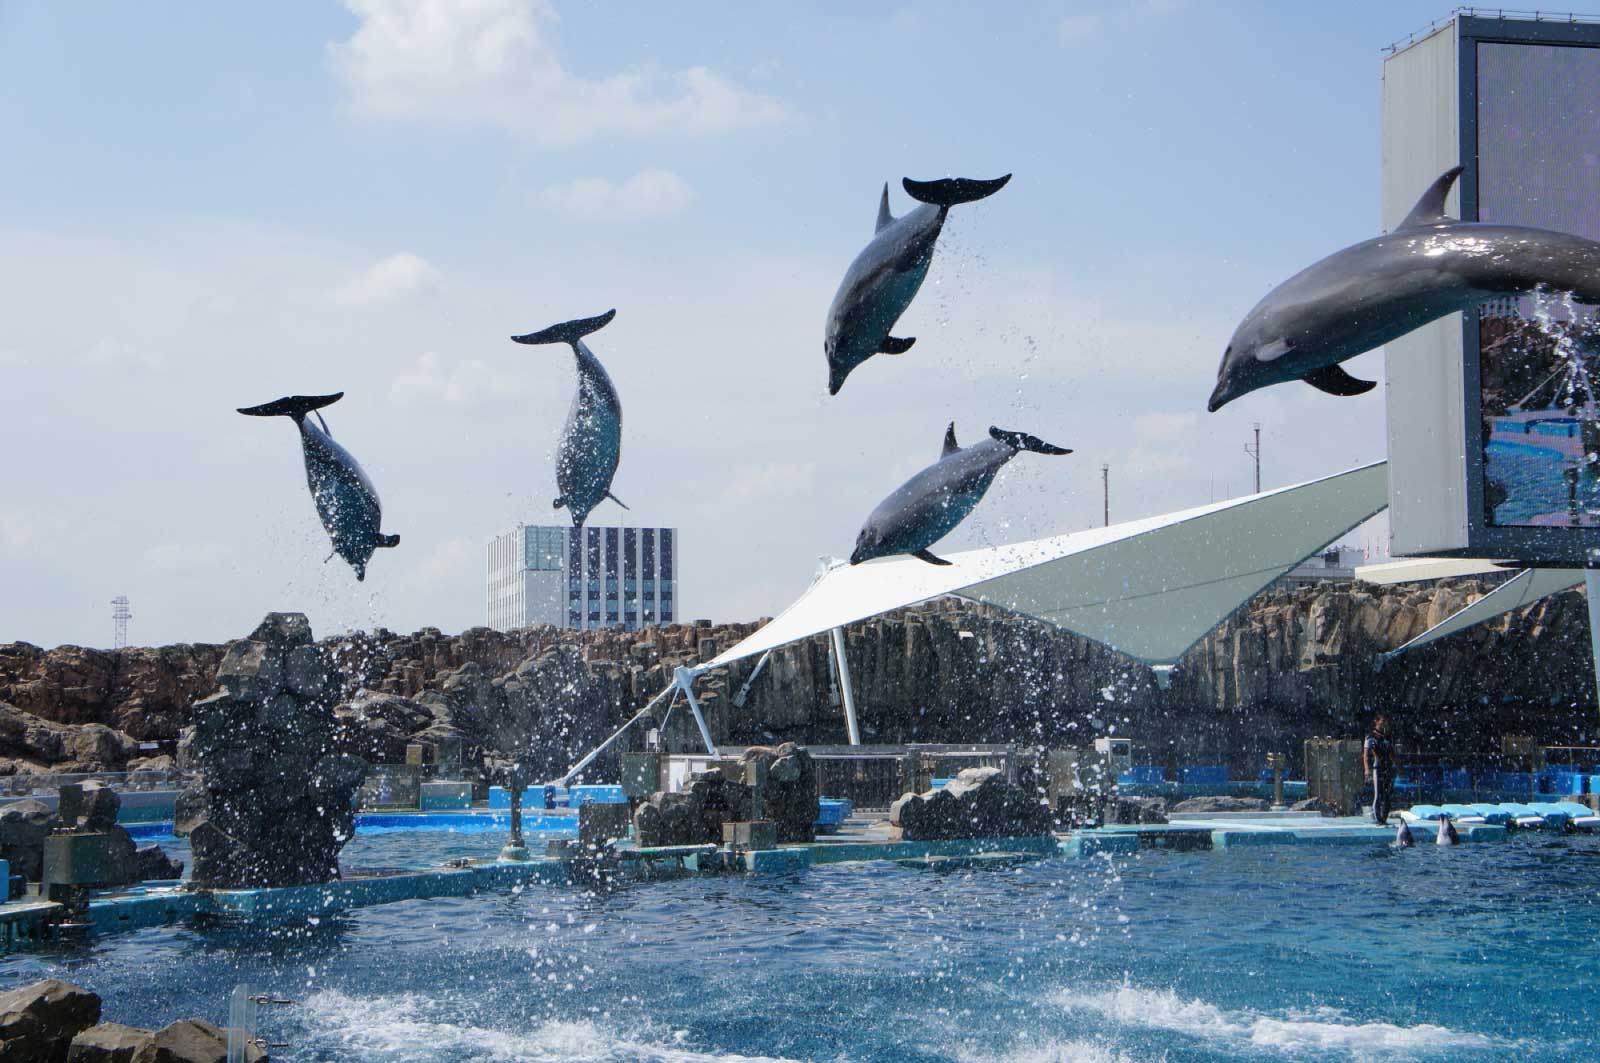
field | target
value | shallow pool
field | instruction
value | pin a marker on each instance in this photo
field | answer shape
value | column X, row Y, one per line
column 1340, row 953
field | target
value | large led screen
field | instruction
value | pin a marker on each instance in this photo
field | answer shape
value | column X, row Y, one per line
column 1538, row 164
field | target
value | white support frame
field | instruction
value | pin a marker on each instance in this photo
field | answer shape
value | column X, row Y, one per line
column 846, row 691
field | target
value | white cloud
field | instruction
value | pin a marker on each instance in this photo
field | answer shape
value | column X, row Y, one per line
column 462, row 382
column 647, row 194
column 110, row 352
column 487, row 62
column 399, row 276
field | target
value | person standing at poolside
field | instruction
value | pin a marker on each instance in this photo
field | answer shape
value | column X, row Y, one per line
column 1377, row 764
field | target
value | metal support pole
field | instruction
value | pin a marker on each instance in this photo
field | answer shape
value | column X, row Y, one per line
column 848, row 694
column 1105, row 487
column 1591, row 590
column 684, row 679
column 603, row 746
column 744, row 691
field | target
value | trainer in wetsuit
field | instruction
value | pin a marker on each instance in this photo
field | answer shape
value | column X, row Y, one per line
column 1377, row 764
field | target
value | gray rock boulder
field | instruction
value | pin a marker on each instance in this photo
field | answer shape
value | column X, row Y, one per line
column 24, row 825
column 791, row 794
column 977, row 803
column 693, row 815
column 1121, row 808
column 39, row 1021
column 1222, row 804
column 192, row 1041
column 273, row 803
column 108, row 1042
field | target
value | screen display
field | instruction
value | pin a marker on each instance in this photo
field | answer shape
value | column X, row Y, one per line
column 1538, row 124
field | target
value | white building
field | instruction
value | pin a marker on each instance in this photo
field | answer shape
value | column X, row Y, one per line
column 582, row 578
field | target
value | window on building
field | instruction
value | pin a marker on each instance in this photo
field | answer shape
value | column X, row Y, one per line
column 648, row 553
column 630, row 553
column 542, row 549
column 666, row 553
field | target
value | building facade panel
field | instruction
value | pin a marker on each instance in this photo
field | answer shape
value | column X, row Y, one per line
column 582, row 578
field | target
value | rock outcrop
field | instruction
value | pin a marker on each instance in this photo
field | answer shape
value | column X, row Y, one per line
column 695, row 814
column 39, row 1021
column 277, row 780
column 790, row 796
column 109, row 1042
column 1295, row 663
column 977, row 803
column 1221, row 803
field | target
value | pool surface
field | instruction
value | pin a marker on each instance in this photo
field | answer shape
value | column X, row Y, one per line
column 1477, row 952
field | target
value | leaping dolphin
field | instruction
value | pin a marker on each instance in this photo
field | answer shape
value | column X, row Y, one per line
column 1378, row 290
column 928, row 506
column 591, row 442
column 885, row 276
column 346, row 500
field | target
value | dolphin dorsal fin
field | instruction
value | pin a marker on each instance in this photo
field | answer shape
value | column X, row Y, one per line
column 1430, row 208
column 884, row 217
column 950, row 444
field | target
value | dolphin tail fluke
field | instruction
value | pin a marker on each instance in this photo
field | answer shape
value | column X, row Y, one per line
column 1336, row 381
column 568, row 331
column 388, row 540
column 617, row 500
column 949, row 191
column 896, row 345
column 1023, row 441
column 296, row 406
column 923, row 555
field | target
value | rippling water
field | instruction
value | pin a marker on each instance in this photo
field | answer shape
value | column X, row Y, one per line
column 1478, row 952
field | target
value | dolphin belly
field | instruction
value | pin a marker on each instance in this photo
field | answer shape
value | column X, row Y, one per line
column 591, row 446
column 346, row 501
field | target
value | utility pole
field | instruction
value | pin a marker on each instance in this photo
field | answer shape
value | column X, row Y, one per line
column 119, row 618
column 1105, row 486
column 1254, row 450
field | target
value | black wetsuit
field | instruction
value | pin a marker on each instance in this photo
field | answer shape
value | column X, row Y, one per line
column 1380, row 761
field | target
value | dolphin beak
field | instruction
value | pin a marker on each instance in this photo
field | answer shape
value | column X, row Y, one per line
column 1220, row 397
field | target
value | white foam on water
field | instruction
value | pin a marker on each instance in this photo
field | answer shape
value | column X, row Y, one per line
column 1050, row 1052
column 402, row 1029
column 1324, row 1030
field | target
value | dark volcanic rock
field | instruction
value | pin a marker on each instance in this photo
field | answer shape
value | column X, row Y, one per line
column 24, row 825
column 790, row 798
column 39, row 1021
column 693, row 815
column 108, row 1042
column 1121, row 808
column 977, row 803
column 192, row 1041
column 273, row 806
column 1222, row 804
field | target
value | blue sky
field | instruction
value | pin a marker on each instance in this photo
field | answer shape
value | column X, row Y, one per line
column 207, row 206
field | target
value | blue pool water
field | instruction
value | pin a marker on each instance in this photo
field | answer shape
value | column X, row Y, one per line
column 1478, row 952
column 1532, row 478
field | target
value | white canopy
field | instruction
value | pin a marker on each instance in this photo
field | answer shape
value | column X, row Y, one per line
column 1420, row 569
column 1148, row 588
column 1525, row 588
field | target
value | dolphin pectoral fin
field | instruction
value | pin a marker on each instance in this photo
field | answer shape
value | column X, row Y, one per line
column 1430, row 208
column 617, row 500
column 885, row 219
column 559, row 502
column 1335, row 381
column 330, row 557
column 950, row 444
column 388, row 540
column 896, row 345
column 923, row 555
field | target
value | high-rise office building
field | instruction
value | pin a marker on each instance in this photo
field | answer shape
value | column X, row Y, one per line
column 582, row 578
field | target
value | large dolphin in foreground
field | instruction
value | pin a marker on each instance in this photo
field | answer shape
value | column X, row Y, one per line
column 1366, row 295
column 928, row 506
column 591, row 442
column 346, row 500
column 885, row 276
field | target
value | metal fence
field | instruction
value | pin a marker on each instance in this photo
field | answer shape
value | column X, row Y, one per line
column 30, row 785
